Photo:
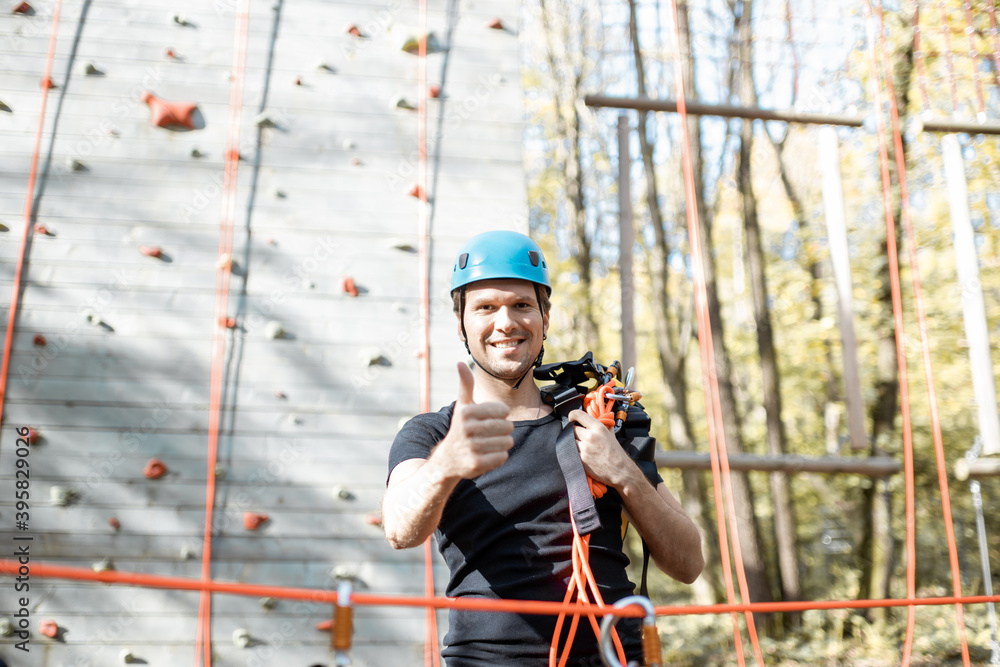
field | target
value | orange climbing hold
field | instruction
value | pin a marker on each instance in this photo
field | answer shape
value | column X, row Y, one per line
column 434, row 91
column 373, row 520
column 356, row 31
column 496, row 24
column 115, row 523
column 349, row 287
column 23, row 8
column 32, row 436
column 229, row 322
column 169, row 114
column 39, row 340
column 151, row 251
column 49, row 628
column 325, row 626
column 416, row 191
column 42, row 229
column 155, row 469
column 253, row 520
column 47, row 83
column 170, row 54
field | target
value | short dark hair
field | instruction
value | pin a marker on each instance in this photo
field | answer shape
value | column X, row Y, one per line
column 544, row 303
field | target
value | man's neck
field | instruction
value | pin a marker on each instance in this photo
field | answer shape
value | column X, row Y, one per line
column 525, row 402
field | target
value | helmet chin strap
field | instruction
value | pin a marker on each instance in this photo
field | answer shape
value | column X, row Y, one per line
column 465, row 337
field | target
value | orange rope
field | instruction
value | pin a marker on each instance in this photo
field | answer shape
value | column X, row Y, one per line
column 713, row 407
column 536, row 607
column 597, row 405
column 925, row 349
column 29, row 202
column 203, row 638
column 432, row 656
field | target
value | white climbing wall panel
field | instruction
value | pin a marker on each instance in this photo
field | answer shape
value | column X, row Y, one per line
column 122, row 288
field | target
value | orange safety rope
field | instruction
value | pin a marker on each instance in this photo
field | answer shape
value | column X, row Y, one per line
column 536, row 607
column 432, row 656
column 29, row 202
column 203, row 638
column 918, row 298
column 601, row 408
column 713, row 402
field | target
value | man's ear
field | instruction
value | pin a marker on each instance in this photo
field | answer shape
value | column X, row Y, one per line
column 458, row 319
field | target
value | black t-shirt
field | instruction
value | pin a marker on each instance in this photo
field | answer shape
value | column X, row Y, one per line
column 507, row 534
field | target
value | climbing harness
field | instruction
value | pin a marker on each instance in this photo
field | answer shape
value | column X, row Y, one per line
column 616, row 406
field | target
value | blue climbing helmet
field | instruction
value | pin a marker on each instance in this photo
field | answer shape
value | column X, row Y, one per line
column 500, row 254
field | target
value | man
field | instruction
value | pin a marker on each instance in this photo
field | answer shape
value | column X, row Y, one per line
column 481, row 474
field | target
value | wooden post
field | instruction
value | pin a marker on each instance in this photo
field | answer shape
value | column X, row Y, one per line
column 973, row 310
column 626, row 231
column 872, row 466
column 836, row 229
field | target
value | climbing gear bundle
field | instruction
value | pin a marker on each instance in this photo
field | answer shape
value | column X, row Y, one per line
column 616, row 406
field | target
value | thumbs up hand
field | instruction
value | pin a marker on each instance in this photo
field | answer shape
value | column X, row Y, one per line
column 480, row 435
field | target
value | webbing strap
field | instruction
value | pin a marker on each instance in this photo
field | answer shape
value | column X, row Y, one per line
column 581, row 501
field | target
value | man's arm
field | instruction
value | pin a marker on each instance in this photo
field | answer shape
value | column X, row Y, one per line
column 478, row 441
column 673, row 538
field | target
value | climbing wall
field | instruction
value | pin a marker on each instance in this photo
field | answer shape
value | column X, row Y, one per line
column 228, row 289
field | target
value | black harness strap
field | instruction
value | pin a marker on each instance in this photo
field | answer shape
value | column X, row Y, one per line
column 581, row 501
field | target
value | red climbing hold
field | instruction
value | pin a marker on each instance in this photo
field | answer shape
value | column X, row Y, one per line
column 229, row 322
column 39, row 340
column 298, row 81
column 47, row 83
column 416, row 191
column 151, row 251
column 171, row 54
column 23, row 8
column 434, row 91
column 325, row 626
column 49, row 628
column 168, row 114
column 42, row 229
column 349, row 286
column 115, row 523
column 496, row 24
column 155, row 469
column 253, row 520
column 373, row 520
column 32, row 436
column 356, row 31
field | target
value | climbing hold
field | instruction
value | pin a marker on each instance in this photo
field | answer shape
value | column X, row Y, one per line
column 42, row 229
column 229, row 322
column 75, row 165
column 48, row 83
column 323, row 67
column 169, row 114
column 253, row 520
column 49, row 628
column 268, row 603
column 170, row 54
column 127, row 656
column 434, row 91
column 196, row 152
column 274, row 330
column 220, row 471
column 411, row 43
column 280, row 194
column 39, row 340
column 93, row 318
column 225, row 261
column 357, row 162
column 151, row 251
column 280, row 394
column 187, row 553
column 181, row 21
column 104, row 565
column 374, row 520
column 345, row 573
column 23, row 8
column 403, row 103
column 5, row 107
column 342, row 493
column 297, row 81
column 349, row 287
column 115, row 523
column 402, row 244
column 61, row 496
column 155, row 469
column 33, row 436
column 416, row 191
column 325, row 626
column 90, row 69
column 378, row 359
column 496, row 24
column 6, row 628
column 241, row 637
column 265, row 119
column 356, row 31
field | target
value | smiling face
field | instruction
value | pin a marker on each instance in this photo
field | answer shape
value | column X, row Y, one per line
column 505, row 325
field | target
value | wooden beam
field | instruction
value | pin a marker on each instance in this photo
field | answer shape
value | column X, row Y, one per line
column 873, row 466
column 787, row 115
column 978, row 468
column 626, row 230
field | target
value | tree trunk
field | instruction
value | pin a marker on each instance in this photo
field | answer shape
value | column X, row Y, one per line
column 750, row 545
column 784, row 517
column 707, row 588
